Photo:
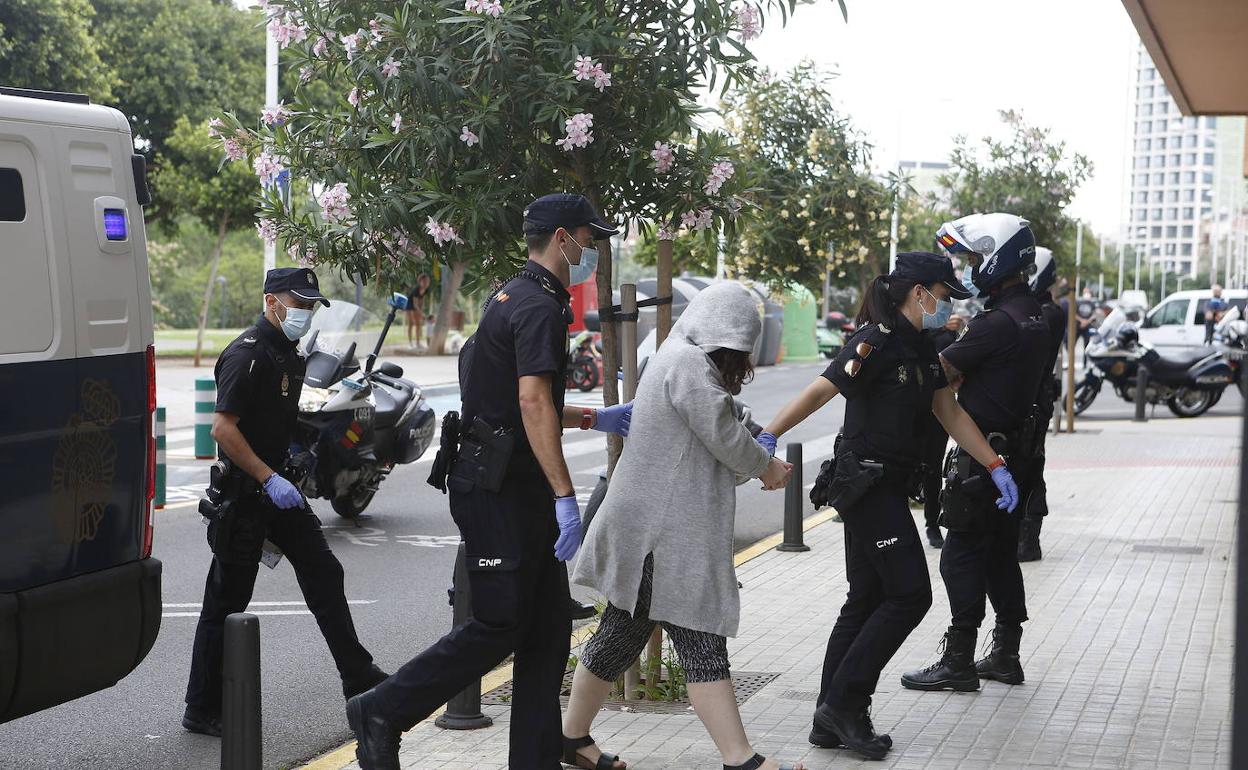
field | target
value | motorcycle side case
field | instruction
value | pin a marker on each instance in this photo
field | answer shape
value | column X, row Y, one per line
column 414, row 434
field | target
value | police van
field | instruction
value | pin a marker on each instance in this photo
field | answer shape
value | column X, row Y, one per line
column 79, row 589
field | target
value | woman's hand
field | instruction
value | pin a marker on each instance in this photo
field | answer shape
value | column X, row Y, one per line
column 777, row 475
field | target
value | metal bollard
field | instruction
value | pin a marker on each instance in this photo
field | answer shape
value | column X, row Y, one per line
column 241, row 742
column 162, row 480
column 1141, row 389
column 793, row 506
column 463, row 712
column 205, row 405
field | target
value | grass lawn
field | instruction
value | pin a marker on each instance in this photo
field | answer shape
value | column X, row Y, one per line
column 174, row 343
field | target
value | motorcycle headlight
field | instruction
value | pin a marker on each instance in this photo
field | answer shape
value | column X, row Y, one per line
column 312, row 399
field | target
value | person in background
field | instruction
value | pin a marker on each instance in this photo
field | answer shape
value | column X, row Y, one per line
column 935, row 440
column 417, row 298
column 1214, row 310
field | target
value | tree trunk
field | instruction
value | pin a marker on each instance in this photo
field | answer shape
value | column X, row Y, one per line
column 451, row 281
column 222, row 226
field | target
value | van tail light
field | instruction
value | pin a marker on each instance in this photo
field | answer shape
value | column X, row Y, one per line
column 150, row 499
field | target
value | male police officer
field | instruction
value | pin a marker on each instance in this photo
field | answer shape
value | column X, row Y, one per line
column 999, row 361
column 259, row 376
column 1035, row 504
column 514, row 503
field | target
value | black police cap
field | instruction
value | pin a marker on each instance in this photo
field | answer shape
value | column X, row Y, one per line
column 551, row 212
column 928, row 268
column 299, row 281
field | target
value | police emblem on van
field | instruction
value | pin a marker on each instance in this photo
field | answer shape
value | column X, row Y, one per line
column 84, row 465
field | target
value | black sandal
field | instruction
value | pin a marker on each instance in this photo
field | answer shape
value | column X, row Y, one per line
column 572, row 759
column 756, row 762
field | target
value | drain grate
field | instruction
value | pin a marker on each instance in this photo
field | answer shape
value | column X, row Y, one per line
column 1152, row 548
column 744, row 685
column 810, row 695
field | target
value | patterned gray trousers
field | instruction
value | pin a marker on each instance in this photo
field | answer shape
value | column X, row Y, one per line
column 621, row 637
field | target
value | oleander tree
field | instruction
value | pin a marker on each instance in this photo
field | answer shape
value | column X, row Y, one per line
column 816, row 205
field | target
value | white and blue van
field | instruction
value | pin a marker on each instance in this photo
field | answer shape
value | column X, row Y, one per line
column 79, row 591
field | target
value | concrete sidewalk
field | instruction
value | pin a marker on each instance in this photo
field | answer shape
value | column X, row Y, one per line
column 1128, row 652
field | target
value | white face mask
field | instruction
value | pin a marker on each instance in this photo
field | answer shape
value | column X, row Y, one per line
column 297, row 321
column 583, row 270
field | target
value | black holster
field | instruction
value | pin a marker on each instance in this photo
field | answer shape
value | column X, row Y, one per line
column 447, row 451
column 843, row 482
column 966, row 503
column 227, row 486
column 483, row 458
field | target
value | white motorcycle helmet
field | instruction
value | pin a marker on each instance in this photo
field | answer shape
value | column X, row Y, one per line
column 1046, row 271
column 997, row 246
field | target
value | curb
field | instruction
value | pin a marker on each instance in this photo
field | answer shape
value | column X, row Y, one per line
column 338, row 758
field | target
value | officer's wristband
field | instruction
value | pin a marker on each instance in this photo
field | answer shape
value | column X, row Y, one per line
column 997, row 463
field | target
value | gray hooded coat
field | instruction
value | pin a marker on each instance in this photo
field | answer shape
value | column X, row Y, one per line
column 673, row 492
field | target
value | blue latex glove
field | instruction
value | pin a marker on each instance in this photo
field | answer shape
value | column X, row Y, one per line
column 615, row 419
column 568, row 514
column 282, row 493
column 1008, row 500
column 768, row 442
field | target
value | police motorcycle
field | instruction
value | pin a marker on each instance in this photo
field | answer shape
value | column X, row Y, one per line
column 1189, row 383
column 1231, row 337
column 355, row 422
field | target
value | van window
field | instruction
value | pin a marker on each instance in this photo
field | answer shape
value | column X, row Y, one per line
column 12, row 196
column 1171, row 313
column 1202, row 304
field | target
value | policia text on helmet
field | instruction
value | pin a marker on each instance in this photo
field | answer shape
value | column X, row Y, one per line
column 1000, row 362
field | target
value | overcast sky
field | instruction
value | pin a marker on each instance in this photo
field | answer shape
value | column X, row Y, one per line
column 916, row 73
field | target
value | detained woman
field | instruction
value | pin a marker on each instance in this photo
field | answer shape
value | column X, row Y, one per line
column 892, row 379
column 660, row 550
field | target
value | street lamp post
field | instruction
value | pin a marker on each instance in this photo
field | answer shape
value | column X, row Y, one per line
column 1122, row 252
column 270, row 100
column 1140, row 234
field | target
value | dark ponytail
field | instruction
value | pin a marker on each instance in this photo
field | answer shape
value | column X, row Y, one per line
column 884, row 298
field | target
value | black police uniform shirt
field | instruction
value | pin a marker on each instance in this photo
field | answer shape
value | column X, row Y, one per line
column 1002, row 354
column 888, row 376
column 523, row 333
column 259, row 377
column 1055, row 320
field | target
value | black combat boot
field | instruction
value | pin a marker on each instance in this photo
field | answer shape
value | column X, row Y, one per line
column 854, row 728
column 377, row 745
column 1002, row 663
column 1029, row 539
column 954, row 671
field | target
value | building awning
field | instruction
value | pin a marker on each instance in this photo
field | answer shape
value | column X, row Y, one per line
column 1200, row 48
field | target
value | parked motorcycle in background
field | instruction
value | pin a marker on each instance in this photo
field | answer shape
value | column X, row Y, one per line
column 1189, row 383
column 585, row 363
column 1231, row 337
column 355, row 424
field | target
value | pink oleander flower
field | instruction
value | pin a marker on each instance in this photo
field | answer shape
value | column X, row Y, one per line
column 397, row 123
column 751, row 22
column 275, row 115
column 213, row 125
column 305, row 258
column 287, row 32
column 492, row 8
column 272, row 10
column 697, row 220
column 333, row 202
column 376, row 32
column 405, row 245
column 442, row 232
column 467, row 137
column 305, row 74
column 351, row 44
column 320, row 46
column 353, row 98
column 667, row 232
column 267, row 230
column 664, row 157
column 602, row 79
column 720, row 173
column 390, row 68
column 472, row 6
column 583, row 68
column 578, row 128
column 689, row 219
column 233, row 150
column 267, row 166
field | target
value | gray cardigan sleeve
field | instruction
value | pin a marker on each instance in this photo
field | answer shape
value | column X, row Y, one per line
column 710, row 412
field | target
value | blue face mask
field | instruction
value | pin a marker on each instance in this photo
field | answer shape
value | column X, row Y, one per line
column 944, row 309
column 583, row 270
column 967, row 280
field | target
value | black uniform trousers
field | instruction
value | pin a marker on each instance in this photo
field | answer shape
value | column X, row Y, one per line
column 982, row 564
column 232, row 577
column 889, row 593
column 520, row 604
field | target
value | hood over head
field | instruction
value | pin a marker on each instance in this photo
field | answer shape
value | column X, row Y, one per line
column 723, row 315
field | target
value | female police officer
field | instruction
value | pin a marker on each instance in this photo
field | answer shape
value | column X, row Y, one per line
column 890, row 375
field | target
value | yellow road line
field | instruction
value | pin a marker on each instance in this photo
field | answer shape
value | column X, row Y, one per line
column 345, row 754
column 181, row 504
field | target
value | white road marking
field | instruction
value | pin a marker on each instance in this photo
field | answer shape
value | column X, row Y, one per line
column 194, row 613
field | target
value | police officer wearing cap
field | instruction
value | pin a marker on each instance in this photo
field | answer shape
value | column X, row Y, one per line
column 892, row 381
column 999, row 362
column 1035, row 504
column 512, row 498
column 259, row 377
